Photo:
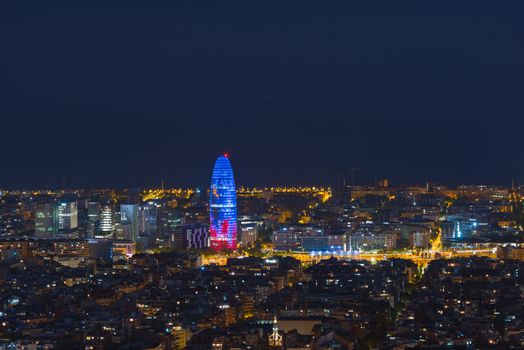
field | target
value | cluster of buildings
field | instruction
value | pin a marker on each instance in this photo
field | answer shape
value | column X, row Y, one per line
column 62, row 294
column 146, row 301
column 292, row 268
column 342, row 220
column 153, row 219
column 416, row 218
column 120, row 215
column 171, row 301
column 469, row 303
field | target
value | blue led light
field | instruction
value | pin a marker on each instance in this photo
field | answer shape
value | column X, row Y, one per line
column 223, row 206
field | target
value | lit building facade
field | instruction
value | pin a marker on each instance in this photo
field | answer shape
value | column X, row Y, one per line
column 248, row 235
column 67, row 215
column 93, row 218
column 129, row 221
column 369, row 241
column 46, row 222
column 287, row 239
column 147, row 218
column 248, row 228
column 123, row 250
column 107, row 224
column 223, row 206
column 419, row 239
column 190, row 236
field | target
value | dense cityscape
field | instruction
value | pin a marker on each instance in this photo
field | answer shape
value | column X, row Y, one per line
column 261, row 175
column 338, row 267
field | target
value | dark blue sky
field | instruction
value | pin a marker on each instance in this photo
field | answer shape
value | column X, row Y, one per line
column 127, row 93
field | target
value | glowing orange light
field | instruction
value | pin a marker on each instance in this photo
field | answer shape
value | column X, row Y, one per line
column 226, row 155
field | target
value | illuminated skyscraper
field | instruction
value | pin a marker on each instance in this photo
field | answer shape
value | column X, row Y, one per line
column 93, row 218
column 223, row 206
column 67, row 213
column 129, row 220
column 107, row 223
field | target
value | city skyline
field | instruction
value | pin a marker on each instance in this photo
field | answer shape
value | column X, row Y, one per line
column 330, row 181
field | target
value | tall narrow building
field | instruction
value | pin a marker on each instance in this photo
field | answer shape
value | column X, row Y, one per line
column 129, row 220
column 223, row 206
column 46, row 221
column 67, row 215
column 93, row 218
column 107, row 223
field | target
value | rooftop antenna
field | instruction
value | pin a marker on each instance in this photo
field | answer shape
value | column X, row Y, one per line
column 162, row 185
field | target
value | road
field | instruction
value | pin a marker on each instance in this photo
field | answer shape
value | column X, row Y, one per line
column 421, row 258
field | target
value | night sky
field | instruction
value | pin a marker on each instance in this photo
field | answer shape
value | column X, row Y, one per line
column 127, row 93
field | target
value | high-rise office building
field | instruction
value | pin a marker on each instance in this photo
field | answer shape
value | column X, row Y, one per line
column 107, row 223
column 147, row 218
column 223, row 206
column 162, row 218
column 46, row 223
column 129, row 221
column 67, row 214
column 83, row 217
column 93, row 218
column 93, row 210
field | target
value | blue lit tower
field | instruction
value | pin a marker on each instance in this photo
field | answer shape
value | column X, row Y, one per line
column 223, row 206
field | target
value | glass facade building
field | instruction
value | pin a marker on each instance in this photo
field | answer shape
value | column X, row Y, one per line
column 129, row 221
column 46, row 220
column 67, row 214
column 223, row 206
column 107, row 223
